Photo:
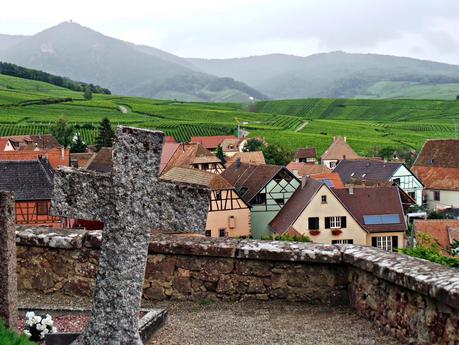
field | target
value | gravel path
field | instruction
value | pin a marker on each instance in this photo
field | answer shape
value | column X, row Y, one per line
column 264, row 323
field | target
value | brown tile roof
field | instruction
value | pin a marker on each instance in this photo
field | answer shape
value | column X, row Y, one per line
column 370, row 201
column 295, row 166
column 252, row 177
column 295, row 206
column 196, row 177
column 231, row 145
column 168, row 151
column 312, row 169
column 82, row 159
column 439, row 153
column 306, row 153
column 338, row 150
column 438, row 178
column 188, row 154
column 211, row 142
column 102, row 161
column 254, row 157
column 333, row 180
column 30, row 142
column 444, row 231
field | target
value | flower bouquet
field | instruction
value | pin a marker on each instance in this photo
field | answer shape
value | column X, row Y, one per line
column 37, row 326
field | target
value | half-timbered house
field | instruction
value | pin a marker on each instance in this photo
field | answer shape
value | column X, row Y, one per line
column 229, row 214
column 266, row 188
column 32, row 184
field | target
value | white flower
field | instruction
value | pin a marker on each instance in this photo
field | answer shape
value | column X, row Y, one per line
column 27, row 333
column 45, row 331
column 40, row 327
column 29, row 322
column 54, row 330
column 36, row 319
column 30, row 314
column 42, row 336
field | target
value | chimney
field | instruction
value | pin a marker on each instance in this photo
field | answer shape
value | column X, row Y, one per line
column 345, row 139
column 303, row 181
column 238, row 162
column 351, row 189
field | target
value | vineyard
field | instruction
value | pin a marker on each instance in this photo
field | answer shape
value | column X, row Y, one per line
column 31, row 107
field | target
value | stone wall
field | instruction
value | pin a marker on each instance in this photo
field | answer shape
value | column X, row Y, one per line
column 414, row 300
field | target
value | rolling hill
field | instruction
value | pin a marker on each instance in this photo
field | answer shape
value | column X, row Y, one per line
column 339, row 75
column 80, row 53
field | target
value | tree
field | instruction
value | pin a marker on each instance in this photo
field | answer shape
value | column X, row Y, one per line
column 276, row 154
column 63, row 132
column 253, row 144
column 106, row 135
column 220, row 154
column 78, row 145
column 87, row 93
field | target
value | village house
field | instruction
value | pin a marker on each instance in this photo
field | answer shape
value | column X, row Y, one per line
column 229, row 214
column 191, row 155
column 300, row 169
column 336, row 152
column 252, row 157
column 372, row 216
column 444, row 231
column 233, row 146
column 32, row 183
column 212, row 142
column 32, row 147
column 266, row 188
column 437, row 166
column 306, row 155
column 369, row 171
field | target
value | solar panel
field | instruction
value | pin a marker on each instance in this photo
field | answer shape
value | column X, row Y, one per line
column 381, row 219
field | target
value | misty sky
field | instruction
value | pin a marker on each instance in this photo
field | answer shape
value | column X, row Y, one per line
column 427, row 29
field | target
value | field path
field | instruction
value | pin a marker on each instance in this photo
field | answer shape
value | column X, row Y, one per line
column 300, row 127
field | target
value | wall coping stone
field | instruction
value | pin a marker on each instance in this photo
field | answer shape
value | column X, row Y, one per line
column 422, row 276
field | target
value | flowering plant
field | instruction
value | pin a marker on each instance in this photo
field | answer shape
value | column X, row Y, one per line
column 37, row 326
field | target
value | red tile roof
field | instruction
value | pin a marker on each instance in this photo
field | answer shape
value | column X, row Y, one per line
column 102, row 161
column 187, row 154
column 196, row 177
column 295, row 166
column 168, row 151
column 312, row 169
column 338, row 150
column 438, row 178
column 333, row 178
column 442, row 230
column 254, row 157
column 439, row 153
column 306, row 153
column 211, row 142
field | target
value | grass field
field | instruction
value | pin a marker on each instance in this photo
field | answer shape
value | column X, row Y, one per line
column 28, row 107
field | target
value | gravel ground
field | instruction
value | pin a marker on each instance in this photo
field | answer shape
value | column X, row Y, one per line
column 244, row 323
column 264, row 323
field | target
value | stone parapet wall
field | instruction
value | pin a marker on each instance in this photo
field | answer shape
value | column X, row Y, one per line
column 414, row 300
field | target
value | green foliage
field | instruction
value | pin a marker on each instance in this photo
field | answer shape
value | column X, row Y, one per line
column 8, row 337
column 287, row 237
column 32, row 74
column 87, row 93
column 436, row 215
column 78, row 145
column 63, row 132
column 277, row 154
column 428, row 248
column 220, row 154
column 206, row 301
column 253, row 144
column 106, row 134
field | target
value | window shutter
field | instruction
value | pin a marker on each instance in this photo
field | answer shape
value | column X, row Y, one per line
column 313, row 223
column 327, row 222
column 343, row 222
column 394, row 242
column 373, row 242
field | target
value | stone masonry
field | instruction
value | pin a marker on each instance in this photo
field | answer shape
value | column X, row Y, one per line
column 415, row 300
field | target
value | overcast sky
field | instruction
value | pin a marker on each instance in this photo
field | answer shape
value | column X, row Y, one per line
column 427, row 29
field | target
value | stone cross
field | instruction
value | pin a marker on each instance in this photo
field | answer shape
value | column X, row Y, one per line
column 131, row 201
column 8, row 277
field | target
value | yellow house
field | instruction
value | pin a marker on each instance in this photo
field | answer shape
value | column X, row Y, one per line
column 229, row 215
column 371, row 216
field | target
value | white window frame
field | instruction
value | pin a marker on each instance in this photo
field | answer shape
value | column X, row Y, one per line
column 335, row 222
column 342, row 241
column 384, row 242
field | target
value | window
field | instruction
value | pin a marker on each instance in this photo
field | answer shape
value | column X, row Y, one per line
column 208, row 233
column 231, row 222
column 243, row 190
column 260, row 199
column 437, row 195
column 42, row 208
column 387, row 243
column 397, row 181
column 279, row 201
column 205, row 166
column 218, row 195
column 222, row 232
column 313, row 223
column 335, row 222
column 412, row 195
column 342, row 241
column 324, row 199
column 332, row 165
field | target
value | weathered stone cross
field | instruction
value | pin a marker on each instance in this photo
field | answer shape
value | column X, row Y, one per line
column 8, row 278
column 130, row 201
